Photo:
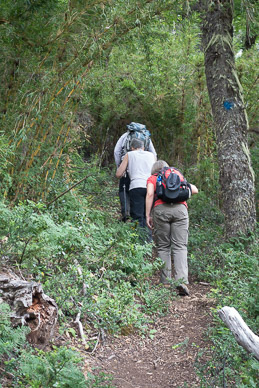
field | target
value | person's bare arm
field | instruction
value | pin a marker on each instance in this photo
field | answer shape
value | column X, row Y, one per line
column 149, row 203
column 123, row 166
column 194, row 189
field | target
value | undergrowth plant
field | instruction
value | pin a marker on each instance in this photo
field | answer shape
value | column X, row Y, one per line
column 93, row 264
column 22, row 365
column 89, row 262
column 86, row 259
column 231, row 267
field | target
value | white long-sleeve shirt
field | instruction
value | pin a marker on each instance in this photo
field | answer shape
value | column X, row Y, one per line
column 118, row 150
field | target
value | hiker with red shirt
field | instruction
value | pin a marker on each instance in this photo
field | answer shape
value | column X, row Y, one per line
column 170, row 222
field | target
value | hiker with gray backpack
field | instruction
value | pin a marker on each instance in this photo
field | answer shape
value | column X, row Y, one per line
column 138, row 163
column 123, row 145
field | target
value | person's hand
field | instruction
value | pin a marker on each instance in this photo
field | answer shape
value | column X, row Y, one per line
column 149, row 222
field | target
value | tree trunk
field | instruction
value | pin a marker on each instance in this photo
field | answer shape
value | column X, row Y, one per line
column 30, row 307
column 231, row 123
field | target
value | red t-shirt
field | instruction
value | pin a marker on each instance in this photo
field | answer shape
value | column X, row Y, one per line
column 152, row 179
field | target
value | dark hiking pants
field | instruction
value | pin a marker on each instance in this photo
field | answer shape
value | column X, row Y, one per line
column 124, row 196
column 138, row 205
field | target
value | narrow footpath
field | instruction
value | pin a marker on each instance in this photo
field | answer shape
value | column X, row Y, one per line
column 168, row 358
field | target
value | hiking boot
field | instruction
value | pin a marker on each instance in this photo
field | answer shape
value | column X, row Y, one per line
column 124, row 218
column 183, row 290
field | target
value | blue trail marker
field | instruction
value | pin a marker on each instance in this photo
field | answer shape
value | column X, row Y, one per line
column 228, row 105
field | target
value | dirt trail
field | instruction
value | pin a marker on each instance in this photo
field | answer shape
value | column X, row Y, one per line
column 167, row 360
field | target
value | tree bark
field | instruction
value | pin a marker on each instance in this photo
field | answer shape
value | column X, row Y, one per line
column 30, row 307
column 244, row 336
column 230, row 118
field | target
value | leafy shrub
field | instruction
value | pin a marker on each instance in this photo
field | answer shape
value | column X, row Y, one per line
column 11, row 340
column 56, row 368
column 227, row 363
column 53, row 244
column 155, row 299
column 28, row 367
column 6, row 152
column 232, row 270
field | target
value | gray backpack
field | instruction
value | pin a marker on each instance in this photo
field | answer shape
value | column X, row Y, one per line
column 136, row 131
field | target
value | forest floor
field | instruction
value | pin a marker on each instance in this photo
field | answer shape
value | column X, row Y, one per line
column 166, row 358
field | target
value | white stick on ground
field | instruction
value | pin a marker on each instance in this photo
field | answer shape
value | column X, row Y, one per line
column 80, row 273
column 80, row 326
column 244, row 336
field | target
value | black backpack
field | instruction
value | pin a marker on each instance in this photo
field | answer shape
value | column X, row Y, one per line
column 171, row 186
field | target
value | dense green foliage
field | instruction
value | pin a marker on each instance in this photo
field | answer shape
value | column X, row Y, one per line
column 73, row 74
column 48, row 49
column 51, row 245
column 81, row 230
column 28, row 367
column 232, row 269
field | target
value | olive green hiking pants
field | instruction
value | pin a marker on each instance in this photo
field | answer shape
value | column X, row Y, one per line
column 171, row 223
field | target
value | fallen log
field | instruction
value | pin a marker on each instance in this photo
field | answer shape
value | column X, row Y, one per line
column 30, row 306
column 244, row 336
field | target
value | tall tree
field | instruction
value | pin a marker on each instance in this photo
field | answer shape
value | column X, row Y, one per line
column 229, row 113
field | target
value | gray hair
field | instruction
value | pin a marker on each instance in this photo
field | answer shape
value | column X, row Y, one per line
column 157, row 166
column 136, row 143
